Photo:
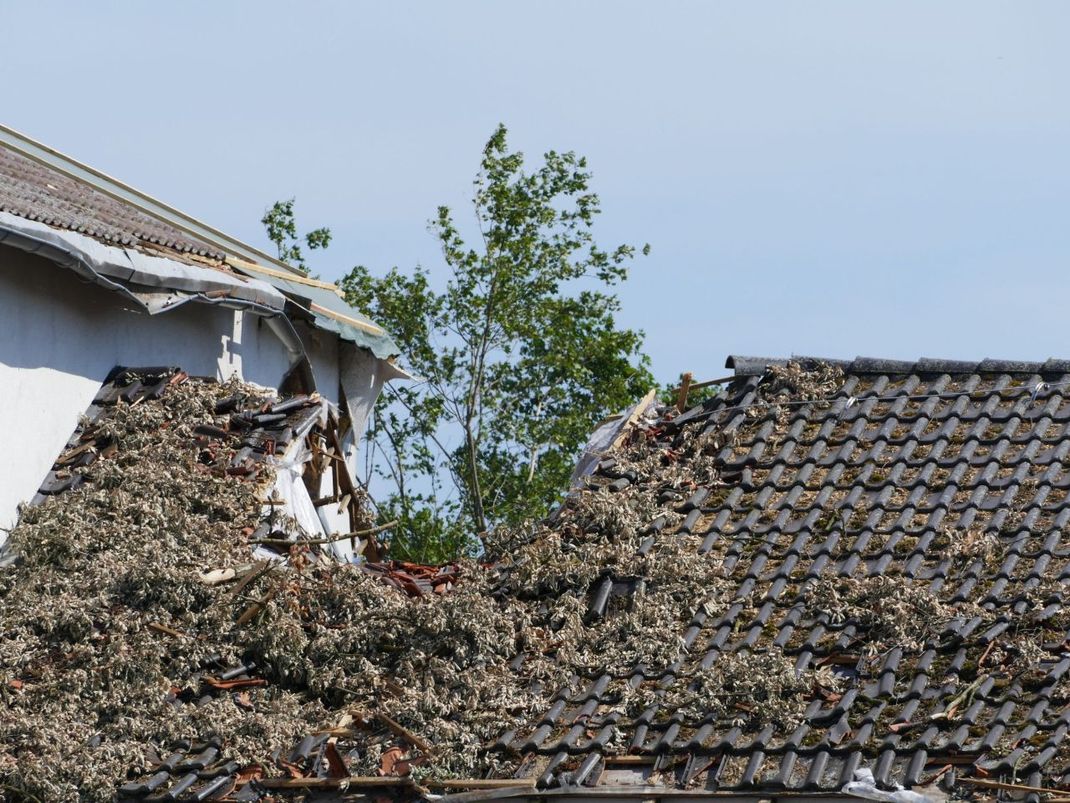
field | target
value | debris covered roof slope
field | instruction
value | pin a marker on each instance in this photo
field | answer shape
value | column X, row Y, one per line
column 827, row 569
column 890, row 548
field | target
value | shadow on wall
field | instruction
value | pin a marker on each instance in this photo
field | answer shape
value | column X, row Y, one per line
column 59, row 338
column 52, row 319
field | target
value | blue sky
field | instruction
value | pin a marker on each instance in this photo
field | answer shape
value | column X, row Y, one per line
column 834, row 179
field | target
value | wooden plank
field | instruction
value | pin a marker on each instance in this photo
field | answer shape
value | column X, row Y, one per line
column 640, row 408
column 483, row 783
column 373, row 781
column 709, row 383
column 244, row 264
column 352, row 782
column 481, row 795
column 338, row 316
column 681, row 392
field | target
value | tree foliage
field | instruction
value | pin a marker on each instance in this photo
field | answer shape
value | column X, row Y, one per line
column 281, row 229
column 517, row 350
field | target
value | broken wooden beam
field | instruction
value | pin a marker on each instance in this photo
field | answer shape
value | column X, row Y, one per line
column 682, row 391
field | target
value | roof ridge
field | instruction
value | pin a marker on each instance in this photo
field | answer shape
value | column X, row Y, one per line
column 756, row 366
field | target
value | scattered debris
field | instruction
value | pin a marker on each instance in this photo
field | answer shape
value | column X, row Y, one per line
column 684, row 592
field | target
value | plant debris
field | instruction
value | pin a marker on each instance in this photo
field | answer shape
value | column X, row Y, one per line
column 116, row 645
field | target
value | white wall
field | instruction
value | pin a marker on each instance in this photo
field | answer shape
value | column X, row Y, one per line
column 59, row 338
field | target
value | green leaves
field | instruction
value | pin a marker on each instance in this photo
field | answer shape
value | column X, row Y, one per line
column 519, row 350
column 281, row 229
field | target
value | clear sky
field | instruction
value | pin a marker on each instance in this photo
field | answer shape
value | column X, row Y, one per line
column 826, row 178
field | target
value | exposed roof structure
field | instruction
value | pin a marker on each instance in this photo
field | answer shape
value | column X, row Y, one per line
column 829, row 569
column 74, row 202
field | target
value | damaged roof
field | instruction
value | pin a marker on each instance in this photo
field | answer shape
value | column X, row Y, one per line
column 39, row 184
column 832, row 576
column 33, row 191
column 896, row 528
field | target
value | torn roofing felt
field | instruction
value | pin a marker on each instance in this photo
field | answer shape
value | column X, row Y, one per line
column 67, row 212
column 830, row 568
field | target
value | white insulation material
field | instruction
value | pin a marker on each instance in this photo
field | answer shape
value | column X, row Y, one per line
column 289, row 489
column 604, row 435
column 865, row 786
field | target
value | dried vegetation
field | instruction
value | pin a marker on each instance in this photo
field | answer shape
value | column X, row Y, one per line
column 86, row 677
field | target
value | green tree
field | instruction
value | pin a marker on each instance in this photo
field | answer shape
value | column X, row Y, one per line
column 281, row 229
column 518, row 353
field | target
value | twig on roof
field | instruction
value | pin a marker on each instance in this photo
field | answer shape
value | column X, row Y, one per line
column 332, row 539
column 260, row 569
column 400, row 730
column 986, row 783
column 253, row 610
column 170, row 631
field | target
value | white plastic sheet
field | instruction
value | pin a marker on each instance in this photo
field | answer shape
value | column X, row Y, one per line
column 865, row 786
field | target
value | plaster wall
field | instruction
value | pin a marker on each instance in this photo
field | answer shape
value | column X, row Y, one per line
column 59, row 338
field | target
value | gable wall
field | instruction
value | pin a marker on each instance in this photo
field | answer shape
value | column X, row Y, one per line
column 59, row 338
